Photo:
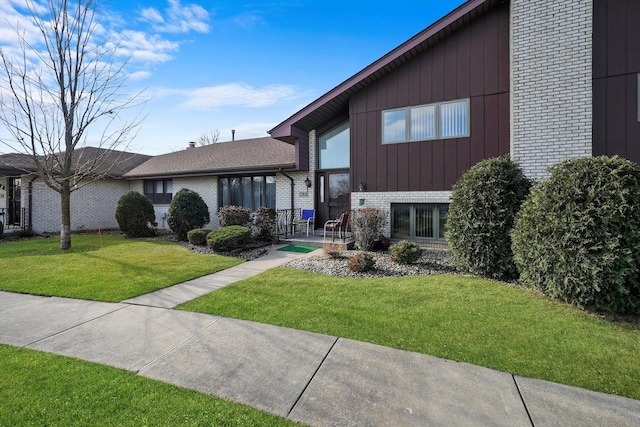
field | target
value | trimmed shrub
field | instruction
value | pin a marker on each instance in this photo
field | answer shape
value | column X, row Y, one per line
column 484, row 203
column 265, row 223
column 361, row 263
column 333, row 250
column 577, row 236
column 367, row 225
column 198, row 236
column 135, row 215
column 405, row 252
column 187, row 211
column 228, row 238
column 234, row 215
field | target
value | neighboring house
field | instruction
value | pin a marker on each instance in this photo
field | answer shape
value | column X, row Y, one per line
column 541, row 80
column 27, row 203
column 251, row 173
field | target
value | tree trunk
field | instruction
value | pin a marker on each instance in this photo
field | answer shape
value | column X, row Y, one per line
column 65, row 205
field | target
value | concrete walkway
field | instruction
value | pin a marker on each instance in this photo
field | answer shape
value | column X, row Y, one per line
column 310, row 378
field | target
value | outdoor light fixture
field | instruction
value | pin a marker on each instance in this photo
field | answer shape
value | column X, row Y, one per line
column 307, row 182
column 362, row 186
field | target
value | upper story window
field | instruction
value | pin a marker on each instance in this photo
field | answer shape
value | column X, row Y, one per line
column 159, row 191
column 333, row 148
column 247, row 191
column 423, row 122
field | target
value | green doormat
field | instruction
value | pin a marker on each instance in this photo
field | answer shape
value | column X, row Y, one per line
column 298, row 248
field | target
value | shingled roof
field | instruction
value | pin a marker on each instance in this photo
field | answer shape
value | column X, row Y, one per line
column 112, row 163
column 242, row 156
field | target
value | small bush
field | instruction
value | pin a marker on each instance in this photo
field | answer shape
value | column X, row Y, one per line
column 367, row 225
column 405, row 252
column 198, row 236
column 334, row 251
column 234, row 215
column 361, row 262
column 577, row 236
column 228, row 238
column 484, row 203
column 135, row 215
column 187, row 211
column 266, row 223
column 1, row 228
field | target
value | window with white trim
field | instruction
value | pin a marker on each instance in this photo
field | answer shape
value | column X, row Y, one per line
column 442, row 120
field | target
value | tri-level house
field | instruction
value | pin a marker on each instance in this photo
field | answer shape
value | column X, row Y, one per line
column 541, row 80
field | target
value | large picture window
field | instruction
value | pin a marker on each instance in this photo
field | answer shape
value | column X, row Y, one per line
column 333, row 148
column 424, row 122
column 423, row 221
column 159, row 191
column 247, row 191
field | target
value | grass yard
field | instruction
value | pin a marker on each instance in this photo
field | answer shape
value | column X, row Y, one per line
column 107, row 268
column 460, row 318
column 38, row 389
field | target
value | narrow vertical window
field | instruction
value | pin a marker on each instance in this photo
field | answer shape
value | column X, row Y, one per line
column 423, row 123
column 454, row 119
column 394, row 126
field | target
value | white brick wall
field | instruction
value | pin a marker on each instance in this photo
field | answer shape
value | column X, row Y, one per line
column 383, row 200
column 92, row 206
column 551, row 82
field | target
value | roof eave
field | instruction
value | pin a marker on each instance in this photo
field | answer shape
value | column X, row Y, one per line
column 204, row 173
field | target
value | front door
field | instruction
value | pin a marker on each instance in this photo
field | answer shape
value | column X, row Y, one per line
column 13, row 202
column 333, row 195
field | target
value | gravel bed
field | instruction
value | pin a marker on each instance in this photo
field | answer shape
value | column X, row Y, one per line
column 431, row 262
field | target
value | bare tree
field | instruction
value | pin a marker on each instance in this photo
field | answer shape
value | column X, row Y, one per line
column 208, row 137
column 58, row 86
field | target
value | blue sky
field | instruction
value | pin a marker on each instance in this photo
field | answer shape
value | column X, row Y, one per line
column 245, row 65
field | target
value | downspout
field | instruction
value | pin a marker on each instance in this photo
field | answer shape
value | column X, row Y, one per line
column 292, row 194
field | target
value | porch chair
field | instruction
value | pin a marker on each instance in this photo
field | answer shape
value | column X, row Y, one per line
column 339, row 224
column 307, row 217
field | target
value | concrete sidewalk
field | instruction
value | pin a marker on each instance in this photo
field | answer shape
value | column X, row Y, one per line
column 314, row 379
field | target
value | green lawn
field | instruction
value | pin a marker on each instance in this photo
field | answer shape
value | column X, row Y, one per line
column 460, row 318
column 40, row 389
column 105, row 268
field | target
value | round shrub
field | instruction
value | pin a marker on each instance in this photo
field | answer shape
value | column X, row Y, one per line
column 135, row 215
column 186, row 212
column 228, row 238
column 198, row 236
column 361, row 263
column 234, row 215
column 405, row 252
column 577, row 237
column 484, row 203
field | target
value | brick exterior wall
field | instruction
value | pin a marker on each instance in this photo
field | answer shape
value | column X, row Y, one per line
column 551, row 82
column 383, row 200
column 92, row 206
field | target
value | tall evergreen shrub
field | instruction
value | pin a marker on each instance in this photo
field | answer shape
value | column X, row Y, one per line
column 186, row 212
column 577, row 237
column 484, row 203
column 135, row 215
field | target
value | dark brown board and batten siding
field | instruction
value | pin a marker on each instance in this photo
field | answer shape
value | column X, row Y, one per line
column 616, row 64
column 472, row 62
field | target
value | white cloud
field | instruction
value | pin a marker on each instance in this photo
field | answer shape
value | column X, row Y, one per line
column 235, row 94
column 139, row 75
column 249, row 20
column 140, row 46
column 151, row 14
column 178, row 18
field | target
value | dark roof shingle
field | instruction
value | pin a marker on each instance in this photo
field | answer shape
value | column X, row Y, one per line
column 258, row 154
